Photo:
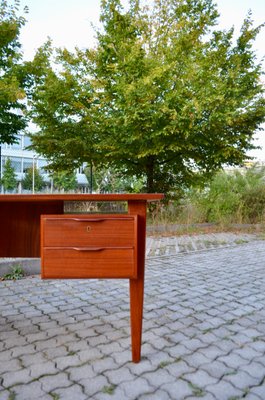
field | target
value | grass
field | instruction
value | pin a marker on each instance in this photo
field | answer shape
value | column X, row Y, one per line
column 54, row 396
column 230, row 201
column 15, row 274
column 196, row 390
column 109, row 389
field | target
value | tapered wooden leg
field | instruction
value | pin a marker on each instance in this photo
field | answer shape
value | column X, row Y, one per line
column 136, row 304
column 137, row 285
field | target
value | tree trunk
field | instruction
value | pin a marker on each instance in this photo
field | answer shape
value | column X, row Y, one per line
column 150, row 175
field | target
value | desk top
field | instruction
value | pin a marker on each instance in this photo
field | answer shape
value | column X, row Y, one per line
column 81, row 197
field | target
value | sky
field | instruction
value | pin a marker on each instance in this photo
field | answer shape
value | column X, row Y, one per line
column 69, row 23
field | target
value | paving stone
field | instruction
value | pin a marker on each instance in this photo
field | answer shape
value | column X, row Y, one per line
column 252, row 396
column 29, row 391
column 204, row 322
column 233, row 360
column 16, row 377
column 85, row 371
column 179, row 388
column 217, row 369
column 5, row 395
column 50, row 383
column 157, row 395
column 119, row 375
column 224, row 391
column 45, row 368
column 158, row 377
column 242, row 380
column 179, row 368
column 259, row 391
column 67, row 361
column 95, row 385
column 200, row 378
column 70, row 393
column 9, row 365
column 116, row 394
column 135, row 388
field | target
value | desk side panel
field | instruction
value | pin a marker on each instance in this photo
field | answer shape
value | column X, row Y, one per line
column 20, row 226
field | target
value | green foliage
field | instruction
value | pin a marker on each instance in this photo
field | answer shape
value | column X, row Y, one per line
column 64, row 180
column 109, row 180
column 27, row 182
column 233, row 197
column 9, row 181
column 109, row 389
column 13, row 73
column 164, row 96
column 16, row 273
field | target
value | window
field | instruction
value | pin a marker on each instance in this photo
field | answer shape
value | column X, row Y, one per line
column 17, row 144
column 27, row 142
column 27, row 163
column 16, row 163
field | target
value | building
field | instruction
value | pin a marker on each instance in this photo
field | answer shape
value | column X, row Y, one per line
column 23, row 159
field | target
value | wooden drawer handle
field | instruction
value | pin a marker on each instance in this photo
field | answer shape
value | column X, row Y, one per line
column 101, row 248
column 88, row 248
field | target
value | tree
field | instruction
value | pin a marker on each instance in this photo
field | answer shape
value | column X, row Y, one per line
column 13, row 74
column 33, row 180
column 65, row 180
column 108, row 180
column 164, row 95
column 9, row 181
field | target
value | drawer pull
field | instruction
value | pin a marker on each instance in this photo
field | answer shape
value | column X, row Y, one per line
column 88, row 248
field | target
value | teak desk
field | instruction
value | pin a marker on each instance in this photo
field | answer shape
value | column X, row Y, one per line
column 98, row 246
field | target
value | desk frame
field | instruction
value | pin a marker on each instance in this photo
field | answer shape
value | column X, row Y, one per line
column 20, row 237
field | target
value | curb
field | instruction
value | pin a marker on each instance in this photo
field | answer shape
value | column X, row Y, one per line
column 30, row 266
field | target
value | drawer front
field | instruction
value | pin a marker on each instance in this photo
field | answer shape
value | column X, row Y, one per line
column 83, row 230
column 79, row 262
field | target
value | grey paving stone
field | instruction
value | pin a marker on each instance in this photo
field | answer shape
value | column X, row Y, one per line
column 242, row 380
column 116, row 394
column 252, row 396
column 50, row 383
column 200, row 378
column 259, row 391
column 204, row 319
column 5, row 395
column 217, row 369
column 134, row 389
column 9, row 365
column 67, row 361
column 179, row 388
column 156, row 395
column 158, row 377
column 85, row 371
column 179, row 368
column 233, row 360
column 73, row 392
column 29, row 391
column 119, row 375
column 99, row 384
column 224, row 391
column 16, row 377
column 44, row 368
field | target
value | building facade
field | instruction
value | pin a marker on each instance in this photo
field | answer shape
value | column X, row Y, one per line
column 22, row 159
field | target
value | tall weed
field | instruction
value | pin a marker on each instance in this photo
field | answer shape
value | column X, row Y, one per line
column 230, row 197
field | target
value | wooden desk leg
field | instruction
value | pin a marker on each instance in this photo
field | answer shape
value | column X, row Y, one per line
column 137, row 285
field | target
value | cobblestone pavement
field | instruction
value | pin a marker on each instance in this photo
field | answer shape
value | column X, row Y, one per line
column 169, row 245
column 203, row 333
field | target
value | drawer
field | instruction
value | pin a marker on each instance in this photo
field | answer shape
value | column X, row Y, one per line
column 84, row 246
column 83, row 230
column 80, row 262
